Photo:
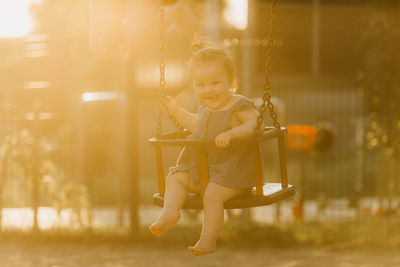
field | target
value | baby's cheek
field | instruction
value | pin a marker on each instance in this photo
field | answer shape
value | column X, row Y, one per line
column 199, row 98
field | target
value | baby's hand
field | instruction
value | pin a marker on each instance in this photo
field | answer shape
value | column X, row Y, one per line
column 223, row 139
column 170, row 104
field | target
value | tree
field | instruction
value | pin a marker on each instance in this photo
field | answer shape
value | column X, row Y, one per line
column 380, row 79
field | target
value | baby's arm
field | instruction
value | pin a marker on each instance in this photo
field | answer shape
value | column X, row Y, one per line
column 186, row 119
column 246, row 127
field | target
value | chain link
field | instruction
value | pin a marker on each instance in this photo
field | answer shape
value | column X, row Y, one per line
column 249, row 42
column 267, row 85
column 161, row 105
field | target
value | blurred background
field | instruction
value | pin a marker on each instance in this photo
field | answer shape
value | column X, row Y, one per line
column 79, row 84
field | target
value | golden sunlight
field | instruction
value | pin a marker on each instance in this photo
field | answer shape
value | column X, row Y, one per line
column 15, row 18
column 235, row 13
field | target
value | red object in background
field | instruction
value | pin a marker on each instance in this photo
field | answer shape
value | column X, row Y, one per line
column 301, row 137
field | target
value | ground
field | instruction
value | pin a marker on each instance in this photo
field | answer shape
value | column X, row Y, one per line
column 343, row 244
column 115, row 255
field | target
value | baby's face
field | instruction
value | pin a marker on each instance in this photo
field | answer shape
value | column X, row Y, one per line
column 211, row 84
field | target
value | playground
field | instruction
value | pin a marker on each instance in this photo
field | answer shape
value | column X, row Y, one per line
column 247, row 132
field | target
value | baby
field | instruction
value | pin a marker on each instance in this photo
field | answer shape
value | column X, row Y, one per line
column 222, row 116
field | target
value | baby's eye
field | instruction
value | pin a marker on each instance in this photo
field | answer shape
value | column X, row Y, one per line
column 215, row 82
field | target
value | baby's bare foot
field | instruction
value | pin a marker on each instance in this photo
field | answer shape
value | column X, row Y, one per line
column 164, row 223
column 203, row 247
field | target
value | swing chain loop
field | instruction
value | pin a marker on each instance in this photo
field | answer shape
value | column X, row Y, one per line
column 162, row 75
column 170, row 115
column 267, row 86
column 162, row 67
column 162, row 45
column 159, row 119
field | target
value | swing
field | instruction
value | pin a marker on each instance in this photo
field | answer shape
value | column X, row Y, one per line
column 261, row 194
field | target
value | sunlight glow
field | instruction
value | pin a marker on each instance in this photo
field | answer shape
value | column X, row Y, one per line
column 103, row 96
column 37, row 84
column 15, row 18
column 235, row 13
column 148, row 75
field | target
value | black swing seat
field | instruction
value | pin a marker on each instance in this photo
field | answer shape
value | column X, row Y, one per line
column 261, row 195
column 272, row 192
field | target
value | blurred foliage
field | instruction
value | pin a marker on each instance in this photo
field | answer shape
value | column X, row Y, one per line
column 22, row 149
column 73, row 197
column 18, row 147
column 21, row 152
column 380, row 77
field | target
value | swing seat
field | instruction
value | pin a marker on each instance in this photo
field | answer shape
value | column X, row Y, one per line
column 261, row 195
column 272, row 192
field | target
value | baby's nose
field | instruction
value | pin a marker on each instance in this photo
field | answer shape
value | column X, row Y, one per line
column 209, row 88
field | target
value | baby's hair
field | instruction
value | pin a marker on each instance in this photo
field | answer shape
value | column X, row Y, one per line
column 204, row 49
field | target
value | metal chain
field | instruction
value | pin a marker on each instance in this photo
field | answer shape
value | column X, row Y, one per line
column 267, row 86
column 248, row 42
column 161, row 105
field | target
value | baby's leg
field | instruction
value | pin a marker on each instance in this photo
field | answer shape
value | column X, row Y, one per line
column 174, row 198
column 213, row 201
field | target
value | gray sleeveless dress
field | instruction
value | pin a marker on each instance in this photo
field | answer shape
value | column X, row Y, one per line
column 232, row 166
